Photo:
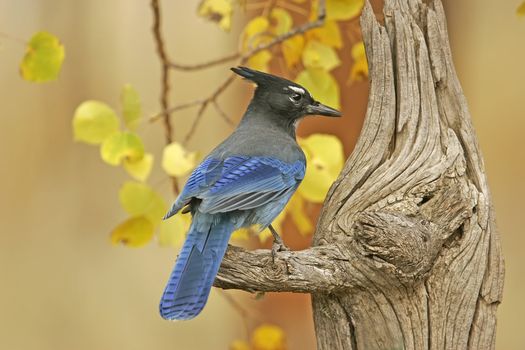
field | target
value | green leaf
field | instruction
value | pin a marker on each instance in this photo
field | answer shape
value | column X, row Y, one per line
column 131, row 108
column 134, row 232
column 139, row 199
column 318, row 55
column 321, row 85
column 122, row 145
column 141, row 168
column 43, row 58
column 93, row 122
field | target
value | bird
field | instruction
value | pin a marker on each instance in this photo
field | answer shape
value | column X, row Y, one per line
column 245, row 181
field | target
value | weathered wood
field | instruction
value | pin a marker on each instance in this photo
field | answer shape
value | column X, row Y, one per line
column 406, row 254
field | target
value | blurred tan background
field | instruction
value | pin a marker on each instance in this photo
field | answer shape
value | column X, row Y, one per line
column 63, row 286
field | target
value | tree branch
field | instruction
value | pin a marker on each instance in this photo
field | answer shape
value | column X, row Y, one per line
column 165, row 79
column 318, row 269
column 204, row 103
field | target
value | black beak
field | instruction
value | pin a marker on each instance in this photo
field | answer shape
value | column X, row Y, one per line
column 320, row 109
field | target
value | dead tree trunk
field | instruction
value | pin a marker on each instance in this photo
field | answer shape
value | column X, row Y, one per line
column 406, row 253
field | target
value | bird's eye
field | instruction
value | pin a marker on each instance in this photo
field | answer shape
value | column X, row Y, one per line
column 296, row 97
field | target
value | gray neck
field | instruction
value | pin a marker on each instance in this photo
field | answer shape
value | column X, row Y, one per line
column 263, row 116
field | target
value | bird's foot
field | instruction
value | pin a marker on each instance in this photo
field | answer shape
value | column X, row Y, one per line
column 278, row 244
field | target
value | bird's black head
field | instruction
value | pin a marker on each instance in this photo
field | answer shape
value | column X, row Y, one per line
column 284, row 97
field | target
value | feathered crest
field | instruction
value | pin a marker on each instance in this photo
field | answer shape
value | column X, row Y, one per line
column 263, row 79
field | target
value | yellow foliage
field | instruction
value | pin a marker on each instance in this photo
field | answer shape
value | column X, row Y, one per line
column 139, row 169
column 318, row 55
column 268, row 337
column 260, row 60
column 521, row 9
column 43, row 58
column 122, row 145
column 283, row 21
column 293, row 50
column 321, row 85
column 325, row 159
column 329, row 34
column 173, row 230
column 93, row 122
column 342, row 10
column 239, row 345
column 134, row 232
column 177, row 161
column 255, row 33
column 219, row 11
column 139, row 199
column 298, row 214
column 131, row 108
column 241, row 234
column 359, row 69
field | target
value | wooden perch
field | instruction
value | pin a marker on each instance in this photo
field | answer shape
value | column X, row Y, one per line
column 406, row 254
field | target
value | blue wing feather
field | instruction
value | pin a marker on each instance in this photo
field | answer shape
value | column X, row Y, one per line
column 248, row 181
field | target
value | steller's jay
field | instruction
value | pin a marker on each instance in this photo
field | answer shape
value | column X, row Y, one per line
column 246, row 180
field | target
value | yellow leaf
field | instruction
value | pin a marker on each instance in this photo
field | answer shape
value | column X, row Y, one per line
column 260, row 60
column 219, row 11
column 283, row 21
column 342, row 10
column 329, row 34
column 324, row 158
column 177, row 161
column 131, row 108
column 141, row 168
column 318, row 55
column 521, row 10
column 121, row 145
column 139, row 199
column 93, row 122
column 43, row 58
column 173, row 230
column 268, row 337
column 293, row 50
column 254, row 33
column 134, row 232
column 239, row 345
column 359, row 69
column 241, row 234
column 299, row 216
column 321, row 85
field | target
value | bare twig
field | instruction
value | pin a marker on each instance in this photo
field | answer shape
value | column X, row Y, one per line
column 245, row 315
column 321, row 14
column 177, row 108
column 165, row 79
column 204, row 103
column 190, row 67
column 222, row 113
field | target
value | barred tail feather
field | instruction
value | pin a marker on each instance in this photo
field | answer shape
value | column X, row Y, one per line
column 197, row 265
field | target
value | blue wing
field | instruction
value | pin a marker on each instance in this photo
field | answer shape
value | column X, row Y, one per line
column 239, row 183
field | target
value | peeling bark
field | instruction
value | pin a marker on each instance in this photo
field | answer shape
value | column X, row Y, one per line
column 406, row 254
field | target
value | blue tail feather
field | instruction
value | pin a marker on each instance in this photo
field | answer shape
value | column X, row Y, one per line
column 197, row 265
